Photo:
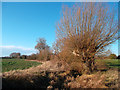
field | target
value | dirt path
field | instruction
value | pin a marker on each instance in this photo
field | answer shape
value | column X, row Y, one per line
column 34, row 60
column 51, row 66
column 44, row 63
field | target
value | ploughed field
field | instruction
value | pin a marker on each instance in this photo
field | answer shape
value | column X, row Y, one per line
column 15, row 64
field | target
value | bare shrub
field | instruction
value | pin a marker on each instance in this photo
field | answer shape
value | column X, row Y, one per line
column 44, row 55
column 41, row 44
column 32, row 57
column 86, row 30
column 44, row 50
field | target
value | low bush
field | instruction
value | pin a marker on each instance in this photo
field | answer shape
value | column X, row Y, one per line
column 32, row 57
column 44, row 56
column 112, row 56
column 23, row 57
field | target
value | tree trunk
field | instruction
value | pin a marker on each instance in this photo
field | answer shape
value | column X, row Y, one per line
column 90, row 63
column 93, row 65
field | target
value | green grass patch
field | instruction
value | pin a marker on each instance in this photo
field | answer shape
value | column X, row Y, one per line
column 112, row 63
column 15, row 64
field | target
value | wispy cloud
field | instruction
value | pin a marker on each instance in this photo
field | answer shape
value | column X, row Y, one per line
column 7, row 50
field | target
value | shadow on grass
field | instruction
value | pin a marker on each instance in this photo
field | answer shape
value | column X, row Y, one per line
column 41, row 80
column 35, row 81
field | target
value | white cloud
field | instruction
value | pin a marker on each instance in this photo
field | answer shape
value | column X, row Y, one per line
column 7, row 50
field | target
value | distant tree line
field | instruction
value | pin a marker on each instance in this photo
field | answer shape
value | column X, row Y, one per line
column 52, row 55
column 15, row 55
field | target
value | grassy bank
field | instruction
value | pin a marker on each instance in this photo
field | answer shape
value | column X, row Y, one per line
column 35, row 78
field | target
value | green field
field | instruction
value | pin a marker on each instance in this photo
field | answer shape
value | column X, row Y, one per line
column 112, row 63
column 15, row 64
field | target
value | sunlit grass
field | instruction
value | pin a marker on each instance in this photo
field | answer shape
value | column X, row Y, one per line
column 15, row 64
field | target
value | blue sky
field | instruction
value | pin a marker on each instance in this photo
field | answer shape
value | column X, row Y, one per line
column 24, row 22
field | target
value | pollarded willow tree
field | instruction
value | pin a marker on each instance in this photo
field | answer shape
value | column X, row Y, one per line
column 87, row 29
